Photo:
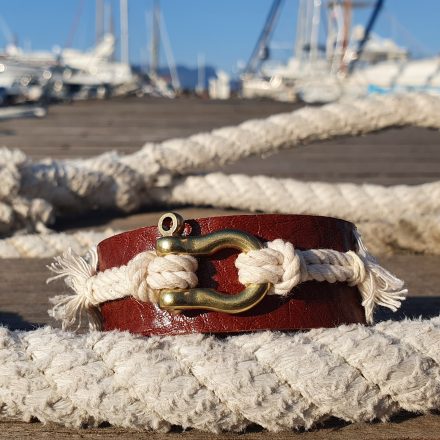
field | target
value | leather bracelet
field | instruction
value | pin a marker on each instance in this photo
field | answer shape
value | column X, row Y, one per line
column 313, row 304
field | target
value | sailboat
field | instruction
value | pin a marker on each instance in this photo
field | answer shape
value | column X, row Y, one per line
column 158, row 85
column 95, row 71
column 71, row 73
column 354, row 61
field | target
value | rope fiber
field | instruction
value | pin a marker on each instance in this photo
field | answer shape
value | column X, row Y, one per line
column 276, row 380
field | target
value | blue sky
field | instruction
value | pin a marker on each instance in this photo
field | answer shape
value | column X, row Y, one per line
column 224, row 31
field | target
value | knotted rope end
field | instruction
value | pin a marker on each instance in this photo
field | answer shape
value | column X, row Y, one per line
column 285, row 267
column 379, row 286
column 77, row 272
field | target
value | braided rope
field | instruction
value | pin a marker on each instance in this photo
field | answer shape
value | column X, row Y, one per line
column 278, row 381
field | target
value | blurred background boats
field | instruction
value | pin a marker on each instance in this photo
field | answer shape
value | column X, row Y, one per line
column 67, row 74
column 333, row 57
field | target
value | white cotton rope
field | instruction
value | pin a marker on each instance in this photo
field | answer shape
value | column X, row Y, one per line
column 278, row 263
column 356, row 203
column 142, row 278
column 280, row 381
column 35, row 192
column 51, row 244
column 400, row 217
column 394, row 217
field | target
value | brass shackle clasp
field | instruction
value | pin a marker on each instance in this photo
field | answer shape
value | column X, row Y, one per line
column 201, row 298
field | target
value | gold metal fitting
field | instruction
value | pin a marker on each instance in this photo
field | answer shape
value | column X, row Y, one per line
column 207, row 299
column 175, row 224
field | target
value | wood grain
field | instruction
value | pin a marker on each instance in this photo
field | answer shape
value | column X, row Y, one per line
column 83, row 129
column 407, row 427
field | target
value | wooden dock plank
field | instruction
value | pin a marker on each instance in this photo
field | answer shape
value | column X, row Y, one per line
column 83, row 129
column 408, row 427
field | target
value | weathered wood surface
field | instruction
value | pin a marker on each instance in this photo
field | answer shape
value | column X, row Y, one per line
column 407, row 427
column 87, row 128
column 409, row 155
column 395, row 156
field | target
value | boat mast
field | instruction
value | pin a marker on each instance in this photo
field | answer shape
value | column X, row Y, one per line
column 348, row 7
column 155, row 39
column 300, row 30
column 99, row 20
column 175, row 82
column 331, row 34
column 75, row 24
column 260, row 50
column 200, row 73
column 109, row 26
column 124, row 31
column 308, row 16
column 314, row 33
column 377, row 8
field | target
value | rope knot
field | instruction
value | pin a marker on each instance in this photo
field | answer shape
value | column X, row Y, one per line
column 172, row 272
column 142, row 277
column 278, row 263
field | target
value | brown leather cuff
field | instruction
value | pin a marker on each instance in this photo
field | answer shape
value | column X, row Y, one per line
column 310, row 305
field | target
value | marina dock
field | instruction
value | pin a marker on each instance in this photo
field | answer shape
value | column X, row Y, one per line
column 84, row 129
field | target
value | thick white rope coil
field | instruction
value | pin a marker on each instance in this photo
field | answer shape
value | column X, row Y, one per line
column 110, row 181
column 280, row 381
column 279, row 263
column 287, row 130
column 17, row 212
column 399, row 217
column 349, row 201
column 71, row 186
column 419, row 234
column 47, row 245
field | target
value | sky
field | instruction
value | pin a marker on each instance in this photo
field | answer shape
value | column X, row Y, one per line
column 224, row 32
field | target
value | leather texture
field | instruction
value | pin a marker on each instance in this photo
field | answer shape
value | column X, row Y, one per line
column 310, row 305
